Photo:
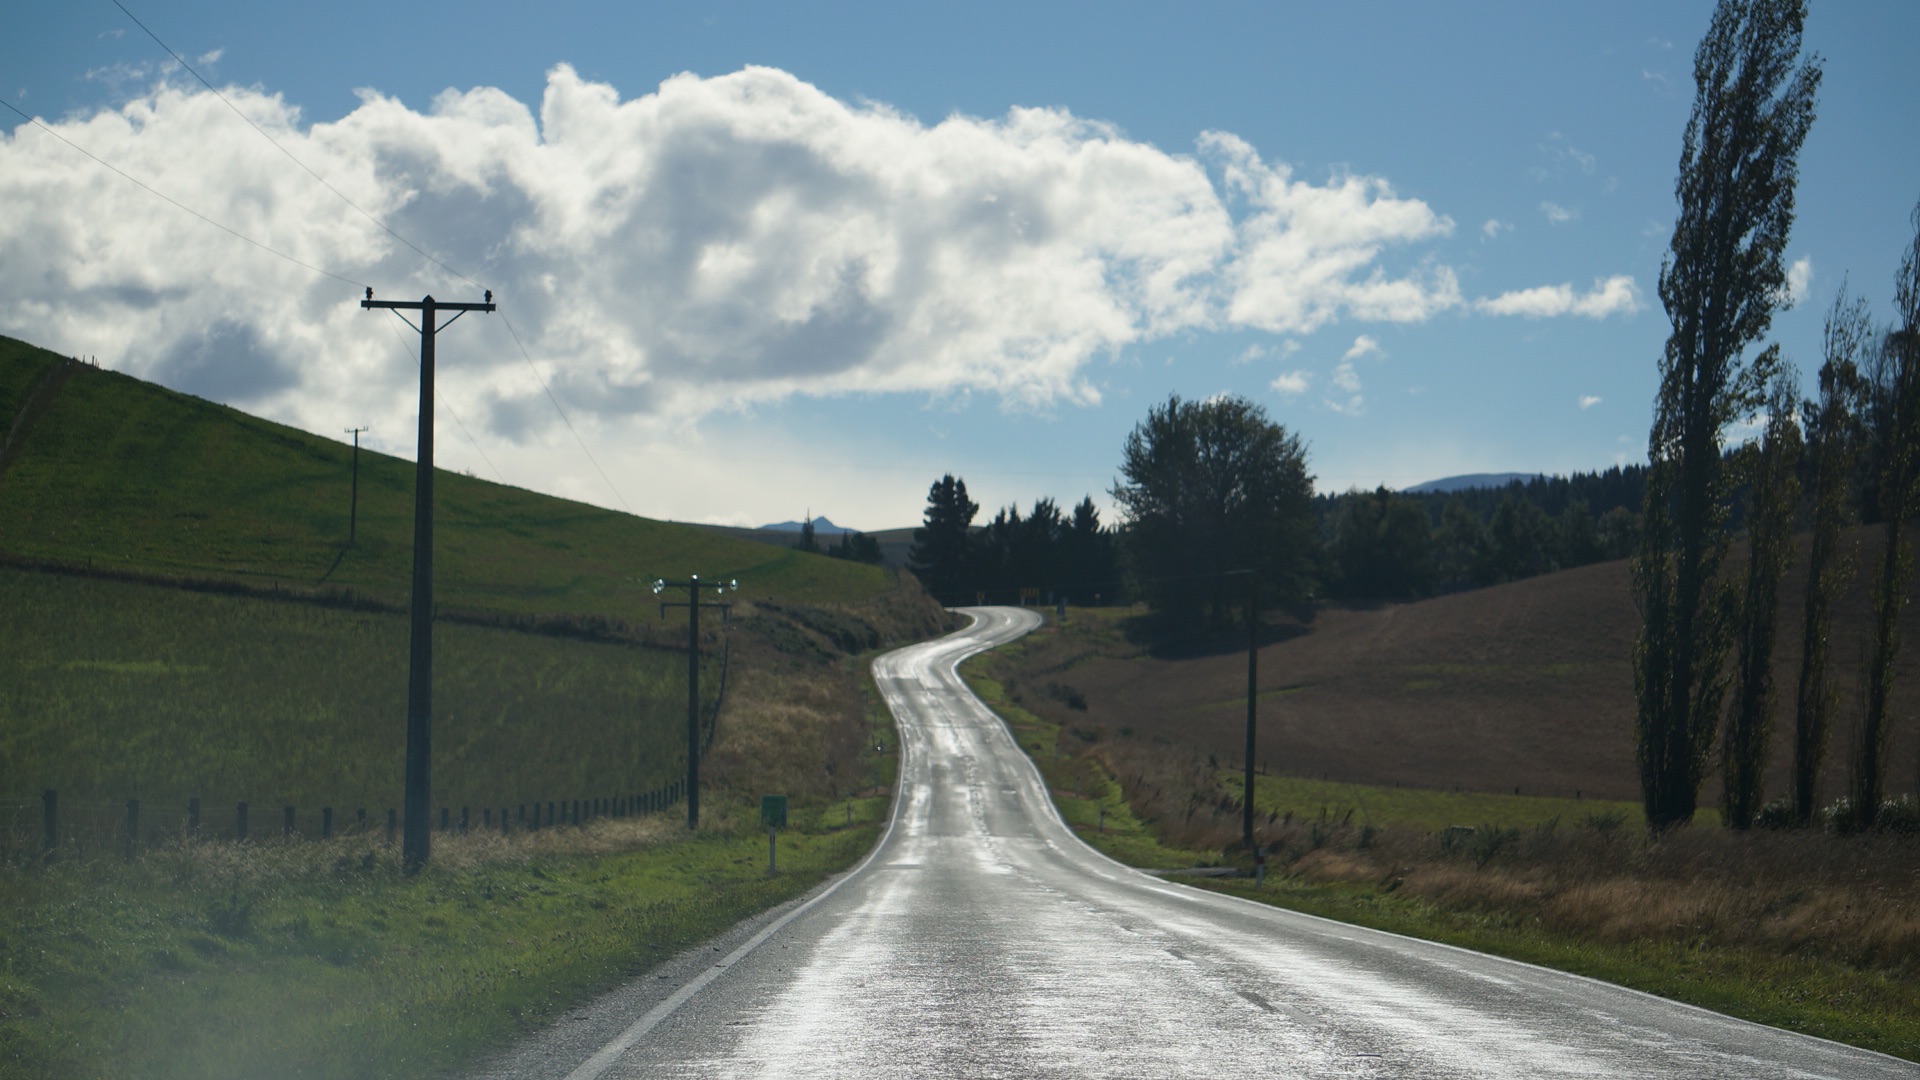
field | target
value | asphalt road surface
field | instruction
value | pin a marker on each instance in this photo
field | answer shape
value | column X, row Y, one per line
column 981, row 939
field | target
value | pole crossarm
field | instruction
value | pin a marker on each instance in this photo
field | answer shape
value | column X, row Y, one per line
column 418, row 836
column 693, row 603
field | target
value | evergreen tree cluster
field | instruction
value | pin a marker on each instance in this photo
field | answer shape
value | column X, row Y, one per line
column 1385, row 545
column 1047, row 556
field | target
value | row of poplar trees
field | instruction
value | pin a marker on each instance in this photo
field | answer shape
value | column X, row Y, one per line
column 1703, row 662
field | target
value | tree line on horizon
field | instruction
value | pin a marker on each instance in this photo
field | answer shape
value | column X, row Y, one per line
column 1220, row 522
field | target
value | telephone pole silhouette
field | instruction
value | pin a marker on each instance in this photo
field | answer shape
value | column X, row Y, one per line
column 693, row 604
column 353, row 512
column 417, row 833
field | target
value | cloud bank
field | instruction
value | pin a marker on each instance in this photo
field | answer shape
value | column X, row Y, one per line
column 716, row 244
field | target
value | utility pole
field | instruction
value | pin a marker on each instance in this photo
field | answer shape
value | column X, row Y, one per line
column 693, row 604
column 1253, row 696
column 353, row 512
column 417, row 835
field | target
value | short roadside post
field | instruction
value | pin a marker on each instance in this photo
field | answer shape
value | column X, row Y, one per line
column 773, row 814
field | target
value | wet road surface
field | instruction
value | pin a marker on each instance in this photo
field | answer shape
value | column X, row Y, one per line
column 982, row 939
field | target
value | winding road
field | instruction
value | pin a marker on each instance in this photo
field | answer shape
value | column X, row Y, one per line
column 981, row 938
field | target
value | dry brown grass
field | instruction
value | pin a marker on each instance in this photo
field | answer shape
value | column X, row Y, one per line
column 1854, row 900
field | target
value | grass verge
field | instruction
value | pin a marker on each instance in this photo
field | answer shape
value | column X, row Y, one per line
column 322, row 960
column 1795, row 931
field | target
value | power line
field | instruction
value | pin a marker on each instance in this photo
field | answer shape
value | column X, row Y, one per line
column 524, row 355
column 181, row 60
column 183, row 206
column 441, row 398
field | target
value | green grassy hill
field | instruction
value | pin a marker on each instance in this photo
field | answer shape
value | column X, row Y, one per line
column 114, row 685
column 119, row 473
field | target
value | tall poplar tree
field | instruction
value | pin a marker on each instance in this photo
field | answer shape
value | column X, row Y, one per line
column 1720, row 283
column 1773, row 470
column 1833, row 435
column 1899, row 498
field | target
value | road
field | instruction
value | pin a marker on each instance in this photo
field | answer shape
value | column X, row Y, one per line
column 981, row 938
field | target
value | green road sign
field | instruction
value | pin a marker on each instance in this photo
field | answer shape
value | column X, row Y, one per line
column 773, row 811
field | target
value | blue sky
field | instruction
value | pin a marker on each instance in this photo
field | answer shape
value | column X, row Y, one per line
column 916, row 238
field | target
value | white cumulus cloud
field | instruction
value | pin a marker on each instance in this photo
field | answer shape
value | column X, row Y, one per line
column 1799, row 279
column 1617, row 295
column 1364, row 345
column 715, row 244
column 1588, row 401
column 1292, row 383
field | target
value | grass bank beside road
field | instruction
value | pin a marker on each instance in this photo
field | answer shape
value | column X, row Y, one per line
column 322, row 960
column 1807, row 931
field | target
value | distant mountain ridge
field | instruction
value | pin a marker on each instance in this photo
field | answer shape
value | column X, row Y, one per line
column 821, row 527
column 1465, row 482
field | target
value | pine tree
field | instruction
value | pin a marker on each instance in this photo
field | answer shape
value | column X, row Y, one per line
column 940, row 553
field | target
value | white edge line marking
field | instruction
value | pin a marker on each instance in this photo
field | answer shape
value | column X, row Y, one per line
column 1206, row 897
column 604, row 1058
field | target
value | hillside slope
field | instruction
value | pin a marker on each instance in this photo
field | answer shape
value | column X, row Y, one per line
column 120, row 473
column 1527, row 685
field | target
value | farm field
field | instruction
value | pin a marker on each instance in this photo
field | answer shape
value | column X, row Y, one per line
column 114, row 473
column 1807, row 931
column 1525, row 686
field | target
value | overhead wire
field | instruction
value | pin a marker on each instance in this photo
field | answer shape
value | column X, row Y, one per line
column 389, row 230
column 441, row 398
column 237, row 234
column 528, row 357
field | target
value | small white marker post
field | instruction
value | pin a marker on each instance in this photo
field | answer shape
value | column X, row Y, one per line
column 773, row 814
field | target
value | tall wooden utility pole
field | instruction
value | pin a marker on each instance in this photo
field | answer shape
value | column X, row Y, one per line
column 693, row 604
column 353, row 511
column 417, row 834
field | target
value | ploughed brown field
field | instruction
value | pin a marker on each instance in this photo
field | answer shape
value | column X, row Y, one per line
column 1525, row 686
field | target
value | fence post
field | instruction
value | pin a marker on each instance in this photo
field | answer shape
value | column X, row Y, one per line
column 549, row 814
column 193, row 818
column 326, row 823
column 133, row 827
column 286, row 825
column 463, row 821
column 360, row 820
column 503, row 821
column 393, row 822
column 446, row 819
column 523, row 815
column 240, row 821
column 50, row 820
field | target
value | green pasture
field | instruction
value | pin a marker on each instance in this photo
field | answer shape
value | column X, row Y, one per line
column 1419, row 808
column 120, row 473
column 111, row 691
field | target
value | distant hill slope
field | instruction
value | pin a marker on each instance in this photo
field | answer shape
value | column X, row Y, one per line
column 894, row 543
column 121, row 473
column 1526, row 685
column 1470, row 480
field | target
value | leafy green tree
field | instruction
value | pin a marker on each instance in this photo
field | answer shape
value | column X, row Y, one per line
column 1899, row 479
column 940, row 553
column 1208, row 487
column 1576, row 537
column 1383, row 547
column 1833, row 436
column 1720, row 283
column 1773, row 471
